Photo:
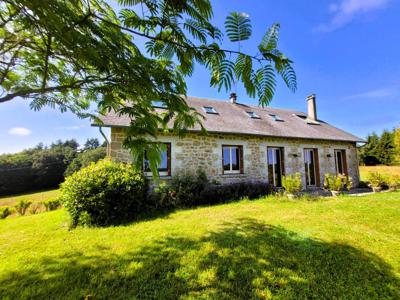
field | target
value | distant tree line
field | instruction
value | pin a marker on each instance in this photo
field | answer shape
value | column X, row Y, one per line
column 381, row 149
column 45, row 167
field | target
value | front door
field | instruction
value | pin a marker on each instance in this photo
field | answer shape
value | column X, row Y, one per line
column 275, row 166
column 310, row 164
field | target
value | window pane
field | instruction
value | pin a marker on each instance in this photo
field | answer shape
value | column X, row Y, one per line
column 235, row 158
column 309, row 166
column 146, row 164
column 226, row 158
column 164, row 162
column 278, row 168
column 339, row 162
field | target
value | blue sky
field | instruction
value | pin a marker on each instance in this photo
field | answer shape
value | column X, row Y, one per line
column 345, row 51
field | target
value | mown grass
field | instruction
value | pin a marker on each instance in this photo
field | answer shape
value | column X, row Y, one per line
column 386, row 170
column 32, row 197
column 347, row 248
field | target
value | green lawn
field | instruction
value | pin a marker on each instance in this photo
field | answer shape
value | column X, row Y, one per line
column 34, row 197
column 334, row 248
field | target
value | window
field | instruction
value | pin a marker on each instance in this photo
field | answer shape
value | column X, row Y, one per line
column 275, row 166
column 252, row 115
column 232, row 159
column 309, row 121
column 276, row 118
column 164, row 169
column 209, row 110
column 158, row 104
column 311, row 167
column 340, row 162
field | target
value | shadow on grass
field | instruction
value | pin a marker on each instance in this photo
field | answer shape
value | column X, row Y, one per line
column 242, row 260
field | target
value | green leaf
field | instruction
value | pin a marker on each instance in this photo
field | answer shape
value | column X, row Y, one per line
column 223, row 75
column 238, row 27
column 265, row 82
column 270, row 39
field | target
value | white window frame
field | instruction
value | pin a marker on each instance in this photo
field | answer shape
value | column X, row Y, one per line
column 230, row 171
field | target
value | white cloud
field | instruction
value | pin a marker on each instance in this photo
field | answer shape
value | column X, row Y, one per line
column 347, row 10
column 373, row 94
column 19, row 131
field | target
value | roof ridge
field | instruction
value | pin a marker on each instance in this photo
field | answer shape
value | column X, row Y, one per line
column 249, row 105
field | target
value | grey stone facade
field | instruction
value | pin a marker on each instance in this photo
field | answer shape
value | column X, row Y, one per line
column 195, row 151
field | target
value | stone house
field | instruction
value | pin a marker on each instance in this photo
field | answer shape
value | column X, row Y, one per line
column 251, row 143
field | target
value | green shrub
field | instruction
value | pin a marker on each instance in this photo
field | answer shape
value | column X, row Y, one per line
column 214, row 194
column 4, row 212
column 22, row 206
column 292, row 183
column 35, row 207
column 52, row 204
column 363, row 184
column 104, row 193
column 191, row 190
column 337, row 182
column 393, row 181
column 377, row 179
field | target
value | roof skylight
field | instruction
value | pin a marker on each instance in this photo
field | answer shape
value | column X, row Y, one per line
column 158, row 104
column 253, row 115
column 210, row 110
column 309, row 121
column 276, row 117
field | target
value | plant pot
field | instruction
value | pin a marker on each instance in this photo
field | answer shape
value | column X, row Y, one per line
column 291, row 196
column 335, row 193
column 376, row 189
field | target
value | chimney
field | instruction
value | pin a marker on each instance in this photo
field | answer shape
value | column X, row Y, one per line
column 233, row 98
column 312, row 108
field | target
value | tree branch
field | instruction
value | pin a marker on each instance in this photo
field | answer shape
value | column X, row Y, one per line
column 175, row 43
column 59, row 88
column 46, row 61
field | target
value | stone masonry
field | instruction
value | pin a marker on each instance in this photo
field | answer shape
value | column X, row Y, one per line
column 196, row 151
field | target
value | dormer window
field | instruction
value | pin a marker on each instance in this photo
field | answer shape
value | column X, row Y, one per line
column 252, row 115
column 209, row 110
column 276, row 118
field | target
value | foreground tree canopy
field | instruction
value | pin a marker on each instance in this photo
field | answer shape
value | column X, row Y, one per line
column 79, row 54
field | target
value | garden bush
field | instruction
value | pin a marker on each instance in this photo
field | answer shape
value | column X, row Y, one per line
column 104, row 193
column 4, row 212
column 377, row 179
column 292, row 183
column 52, row 204
column 34, row 208
column 22, row 206
column 191, row 190
column 337, row 182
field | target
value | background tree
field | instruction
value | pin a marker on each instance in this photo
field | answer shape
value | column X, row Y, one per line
column 383, row 149
column 43, row 167
column 396, row 142
column 386, row 148
column 69, row 54
column 91, row 143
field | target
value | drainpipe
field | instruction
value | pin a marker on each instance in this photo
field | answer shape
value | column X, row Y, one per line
column 105, row 138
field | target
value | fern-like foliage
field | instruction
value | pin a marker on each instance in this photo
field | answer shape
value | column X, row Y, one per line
column 238, row 27
column 76, row 55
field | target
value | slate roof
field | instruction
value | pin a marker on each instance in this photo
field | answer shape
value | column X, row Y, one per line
column 233, row 119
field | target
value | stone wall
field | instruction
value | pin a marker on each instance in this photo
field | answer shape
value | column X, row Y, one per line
column 195, row 151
